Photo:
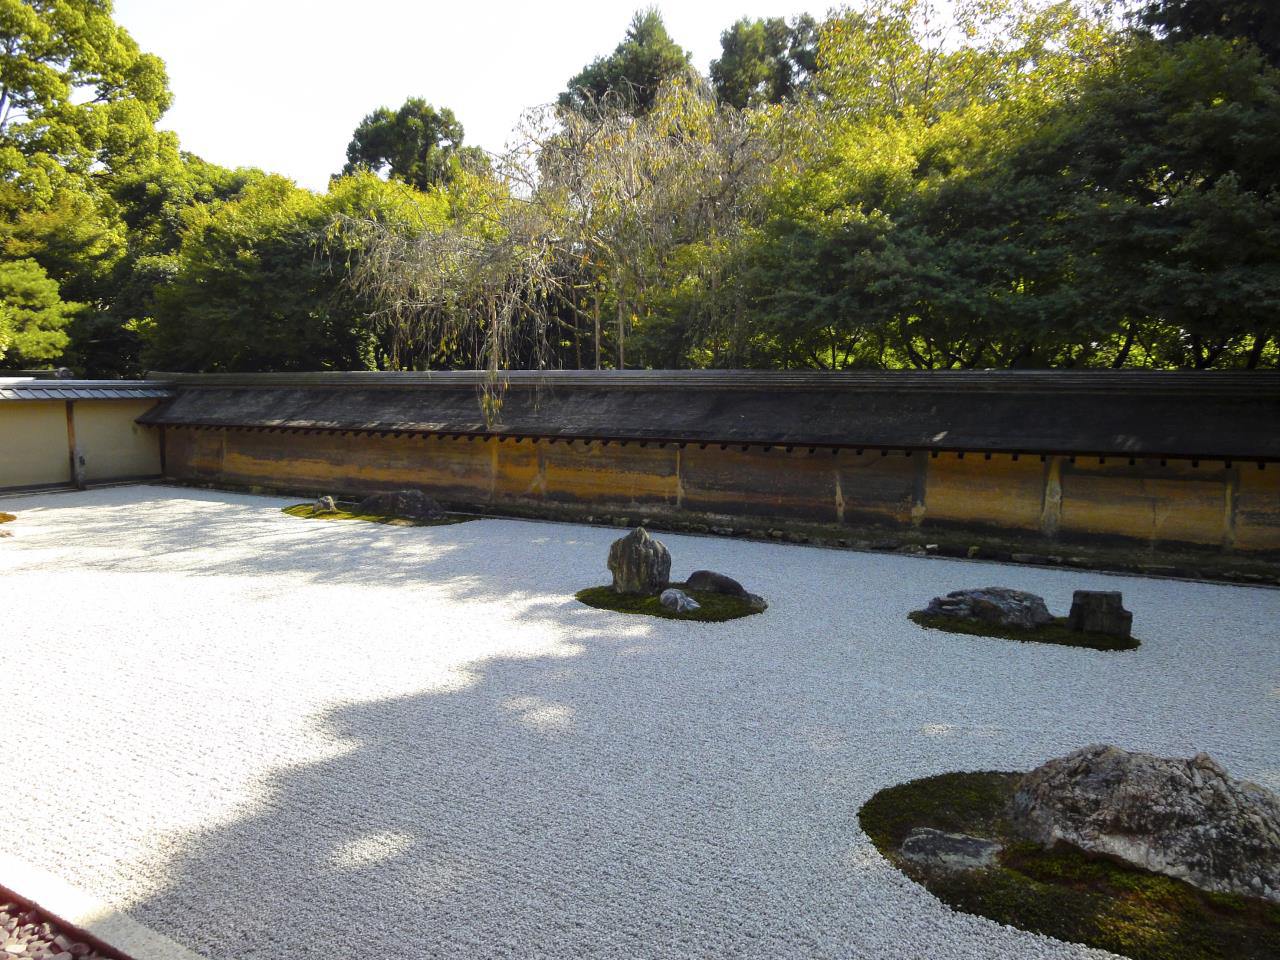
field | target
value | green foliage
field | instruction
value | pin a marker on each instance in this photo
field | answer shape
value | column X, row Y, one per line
column 713, row 607
column 258, row 281
column 1064, row 892
column 33, row 316
column 417, row 144
column 1056, row 632
column 765, row 61
column 1257, row 21
column 632, row 75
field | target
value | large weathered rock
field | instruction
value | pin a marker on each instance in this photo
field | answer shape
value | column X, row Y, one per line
column 1099, row 611
column 410, row 504
column 995, row 605
column 1183, row 818
column 948, row 851
column 325, row 505
column 678, row 601
column 639, row 563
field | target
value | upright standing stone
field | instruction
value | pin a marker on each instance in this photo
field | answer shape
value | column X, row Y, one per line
column 326, row 505
column 639, row 563
column 1099, row 611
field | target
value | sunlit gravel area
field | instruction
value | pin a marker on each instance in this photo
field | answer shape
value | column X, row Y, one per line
column 269, row 737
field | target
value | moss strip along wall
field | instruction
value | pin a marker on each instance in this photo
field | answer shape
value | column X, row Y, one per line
column 1149, row 502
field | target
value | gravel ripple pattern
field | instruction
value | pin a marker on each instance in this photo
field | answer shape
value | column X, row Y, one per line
column 271, row 738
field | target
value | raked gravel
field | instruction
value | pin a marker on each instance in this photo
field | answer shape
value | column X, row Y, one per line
column 269, row 737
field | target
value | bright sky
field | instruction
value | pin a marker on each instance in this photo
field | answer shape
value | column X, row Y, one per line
column 281, row 84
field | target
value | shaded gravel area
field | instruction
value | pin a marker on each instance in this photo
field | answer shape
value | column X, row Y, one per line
column 268, row 738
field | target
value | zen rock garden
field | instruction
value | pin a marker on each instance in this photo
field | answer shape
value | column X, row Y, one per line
column 1097, row 618
column 641, row 569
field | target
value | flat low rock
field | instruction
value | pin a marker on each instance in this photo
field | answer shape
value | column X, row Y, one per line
column 1183, row 818
column 410, row 504
column 709, row 581
column 948, row 851
column 999, row 606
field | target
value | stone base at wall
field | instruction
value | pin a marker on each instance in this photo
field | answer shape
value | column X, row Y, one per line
column 1168, row 560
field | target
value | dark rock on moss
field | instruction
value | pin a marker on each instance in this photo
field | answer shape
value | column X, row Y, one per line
column 639, row 563
column 410, row 504
column 994, row 605
column 1183, row 818
column 948, row 851
column 708, row 581
column 1099, row 611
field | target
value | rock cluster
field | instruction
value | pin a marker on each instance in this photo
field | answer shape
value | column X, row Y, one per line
column 998, row 606
column 27, row 935
column 409, row 504
column 1183, row 818
column 1099, row 611
column 639, row 563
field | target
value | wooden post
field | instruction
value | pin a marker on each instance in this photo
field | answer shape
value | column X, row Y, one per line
column 76, row 476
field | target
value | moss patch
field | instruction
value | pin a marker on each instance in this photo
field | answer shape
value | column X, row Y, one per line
column 6, row 517
column 309, row 512
column 1056, row 632
column 1064, row 892
column 715, row 607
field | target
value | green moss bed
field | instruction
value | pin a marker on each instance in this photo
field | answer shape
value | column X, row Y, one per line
column 308, row 511
column 1064, row 892
column 1057, row 632
column 714, row 607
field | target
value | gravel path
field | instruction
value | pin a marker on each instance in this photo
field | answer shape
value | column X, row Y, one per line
column 269, row 737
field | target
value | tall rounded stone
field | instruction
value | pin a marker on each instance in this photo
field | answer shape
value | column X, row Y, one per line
column 639, row 563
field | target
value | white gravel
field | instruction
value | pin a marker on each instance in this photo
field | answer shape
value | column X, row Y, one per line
column 276, row 738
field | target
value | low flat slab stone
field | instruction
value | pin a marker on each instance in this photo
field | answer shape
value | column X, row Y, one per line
column 995, row 605
column 949, row 851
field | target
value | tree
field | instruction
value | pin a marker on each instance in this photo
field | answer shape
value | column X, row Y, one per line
column 764, row 61
column 34, row 314
column 417, row 144
column 258, row 282
column 632, row 75
column 1257, row 21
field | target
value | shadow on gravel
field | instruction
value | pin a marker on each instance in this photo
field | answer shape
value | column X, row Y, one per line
column 557, row 807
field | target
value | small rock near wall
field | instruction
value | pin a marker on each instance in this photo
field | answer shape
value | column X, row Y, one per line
column 410, row 504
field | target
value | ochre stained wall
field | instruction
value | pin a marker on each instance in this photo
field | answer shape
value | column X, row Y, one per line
column 1151, row 502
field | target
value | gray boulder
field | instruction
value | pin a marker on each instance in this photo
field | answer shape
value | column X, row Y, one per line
column 994, row 605
column 708, row 581
column 678, row 601
column 1182, row 818
column 325, row 505
column 948, row 851
column 410, row 504
column 1099, row 611
column 711, row 582
column 639, row 563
